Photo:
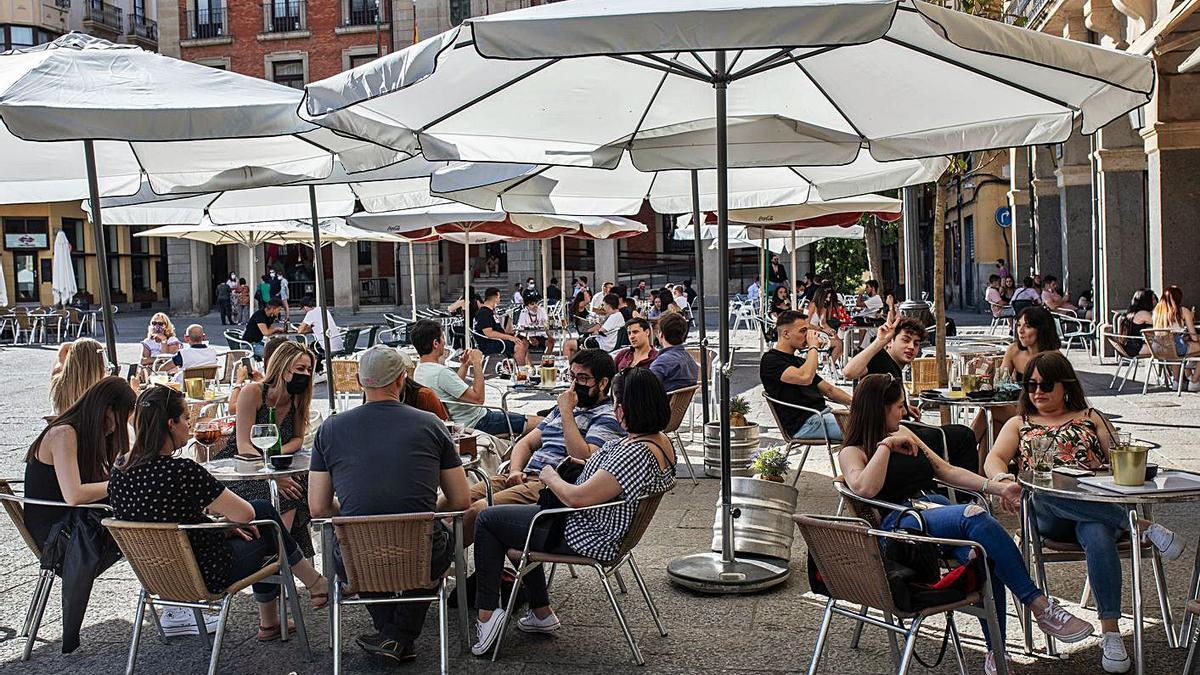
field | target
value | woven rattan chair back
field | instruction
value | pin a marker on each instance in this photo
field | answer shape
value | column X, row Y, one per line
column 161, row 556
column 858, row 508
column 386, row 554
column 204, row 372
column 22, row 316
column 1162, row 343
column 17, row 514
column 232, row 359
column 681, row 400
column 849, row 560
column 640, row 523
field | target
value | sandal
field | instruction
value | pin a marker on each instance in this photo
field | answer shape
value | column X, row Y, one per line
column 271, row 633
column 319, row 600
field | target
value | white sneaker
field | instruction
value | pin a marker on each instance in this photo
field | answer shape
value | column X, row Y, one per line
column 1114, row 658
column 531, row 624
column 181, row 621
column 1193, row 386
column 486, row 633
column 989, row 664
column 1170, row 546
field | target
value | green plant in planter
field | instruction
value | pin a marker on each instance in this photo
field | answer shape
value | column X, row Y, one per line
column 738, row 407
column 770, row 464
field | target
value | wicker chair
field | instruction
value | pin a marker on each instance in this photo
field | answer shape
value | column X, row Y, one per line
column 681, row 402
column 162, row 559
column 390, row 554
column 1163, row 356
column 229, row 363
column 807, row 443
column 847, row 554
column 1192, row 609
column 15, row 506
column 1127, row 363
column 528, row 559
column 202, row 372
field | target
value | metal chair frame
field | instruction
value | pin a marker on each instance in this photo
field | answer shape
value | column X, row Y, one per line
column 216, row 602
column 1005, row 318
column 441, row 594
column 1153, row 338
column 806, row 443
column 233, row 338
column 604, row 570
column 859, row 527
column 678, row 409
column 1125, row 362
column 15, row 506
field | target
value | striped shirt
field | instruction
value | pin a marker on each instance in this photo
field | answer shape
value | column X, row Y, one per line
column 598, row 425
column 598, row 533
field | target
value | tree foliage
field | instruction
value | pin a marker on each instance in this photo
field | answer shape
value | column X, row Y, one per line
column 841, row 262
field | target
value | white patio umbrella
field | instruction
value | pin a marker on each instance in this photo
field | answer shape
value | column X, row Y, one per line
column 728, row 83
column 64, row 286
column 3, row 289
column 91, row 118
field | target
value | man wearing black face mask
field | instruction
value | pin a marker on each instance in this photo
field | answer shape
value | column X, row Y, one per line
column 582, row 421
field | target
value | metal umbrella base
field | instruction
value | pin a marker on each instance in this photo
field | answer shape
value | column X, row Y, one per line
column 708, row 572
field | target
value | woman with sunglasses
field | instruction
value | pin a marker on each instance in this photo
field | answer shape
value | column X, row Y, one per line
column 1052, row 405
column 885, row 461
column 160, row 339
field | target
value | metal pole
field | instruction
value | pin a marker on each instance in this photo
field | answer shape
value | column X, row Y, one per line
column 412, row 277
column 562, row 281
column 704, row 360
column 467, row 289
column 962, row 246
column 110, row 332
column 721, row 85
column 547, row 254
column 912, row 304
column 319, row 268
column 792, row 279
column 762, row 285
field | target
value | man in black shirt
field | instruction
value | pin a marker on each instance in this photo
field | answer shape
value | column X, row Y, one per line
column 691, row 292
column 385, row 457
column 895, row 346
column 793, row 379
column 261, row 324
column 553, row 292
column 498, row 341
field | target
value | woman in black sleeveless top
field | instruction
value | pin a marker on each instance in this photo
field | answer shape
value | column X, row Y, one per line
column 71, row 459
column 885, row 461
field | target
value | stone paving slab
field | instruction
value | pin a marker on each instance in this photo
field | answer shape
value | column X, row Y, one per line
column 772, row 632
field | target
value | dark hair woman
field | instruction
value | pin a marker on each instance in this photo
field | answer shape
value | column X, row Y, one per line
column 285, row 394
column 1138, row 317
column 1056, row 418
column 882, row 460
column 1036, row 334
column 71, row 459
column 624, row 469
column 152, row 484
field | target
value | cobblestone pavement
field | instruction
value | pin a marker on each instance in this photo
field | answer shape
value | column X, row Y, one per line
column 769, row 632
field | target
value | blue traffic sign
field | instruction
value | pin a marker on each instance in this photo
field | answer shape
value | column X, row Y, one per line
column 1004, row 216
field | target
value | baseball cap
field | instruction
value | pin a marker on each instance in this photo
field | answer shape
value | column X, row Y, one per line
column 380, row 365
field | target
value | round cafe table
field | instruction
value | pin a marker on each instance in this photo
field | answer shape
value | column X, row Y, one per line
column 1138, row 505
column 229, row 470
column 960, row 405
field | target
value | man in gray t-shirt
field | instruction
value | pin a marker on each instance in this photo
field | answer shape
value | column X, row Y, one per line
column 386, row 457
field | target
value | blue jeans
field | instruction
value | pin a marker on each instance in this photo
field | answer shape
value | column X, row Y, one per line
column 1096, row 527
column 811, row 429
column 250, row 556
column 1007, row 568
column 496, row 422
column 257, row 348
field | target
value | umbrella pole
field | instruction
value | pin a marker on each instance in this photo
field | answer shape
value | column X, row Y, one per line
column 763, row 285
column 546, row 260
column 412, row 280
column 319, row 268
column 711, row 572
column 110, row 333
column 792, row 278
column 562, row 285
column 467, row 289
column 704, row 360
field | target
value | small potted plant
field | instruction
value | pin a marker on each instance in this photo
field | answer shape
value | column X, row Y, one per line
column 770, row 464
column 738, row 407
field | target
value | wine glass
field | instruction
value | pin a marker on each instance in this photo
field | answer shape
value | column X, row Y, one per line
column 206, row 435
column 264, row 437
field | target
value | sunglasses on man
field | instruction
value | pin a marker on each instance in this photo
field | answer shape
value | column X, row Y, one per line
column 1046, row 386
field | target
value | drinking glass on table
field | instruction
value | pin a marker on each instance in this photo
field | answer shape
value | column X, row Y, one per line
column 1043, row 458
column 264, row 437
column 206, row 435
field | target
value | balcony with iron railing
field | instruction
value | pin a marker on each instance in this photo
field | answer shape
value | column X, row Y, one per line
column 142, row 31
column 285, row 16
column 1025, row 12
column 206, row 23
column 363, row 14
column 102, row 15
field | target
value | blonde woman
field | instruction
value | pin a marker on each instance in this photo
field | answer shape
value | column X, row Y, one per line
column 80, row 365
column 160, row 339
column 284, row 395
